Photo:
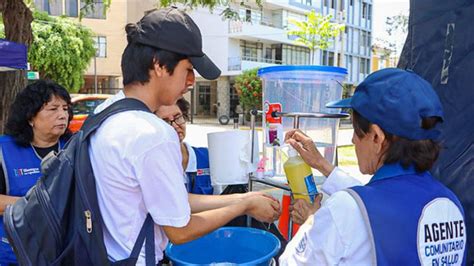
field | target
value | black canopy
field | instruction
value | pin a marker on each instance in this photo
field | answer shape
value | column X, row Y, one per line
column 440, row 48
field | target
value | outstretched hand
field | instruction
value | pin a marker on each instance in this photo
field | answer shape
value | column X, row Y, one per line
column 301, row 209
column 262, row 207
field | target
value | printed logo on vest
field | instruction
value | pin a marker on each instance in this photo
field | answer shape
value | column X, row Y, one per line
column 441, row 234
column 203, row 171
column 26, row 171
column 302, row 244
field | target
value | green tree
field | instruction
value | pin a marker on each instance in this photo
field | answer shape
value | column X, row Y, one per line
column 61, row 50
column 316, row 32
column 397, row 29
column 249, row 89
column 17, row 18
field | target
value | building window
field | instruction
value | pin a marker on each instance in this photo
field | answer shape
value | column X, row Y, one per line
column 295, row 55
column 330, row 59
column 52, row 7
column 369, row 10
column 268, row 54
column 100, row 43
column 325, row 2
column 341, row 5
column 204, row 94
column 96, row 10
column 351, row 2
column 364, row 10
column 333, row 4
column 234, row 100
column 248, row 15
column 72, row 8
column 251, row 51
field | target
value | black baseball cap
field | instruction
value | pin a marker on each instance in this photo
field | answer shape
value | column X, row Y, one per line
column 173, row 30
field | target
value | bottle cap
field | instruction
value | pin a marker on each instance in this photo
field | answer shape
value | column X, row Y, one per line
column 292, row 152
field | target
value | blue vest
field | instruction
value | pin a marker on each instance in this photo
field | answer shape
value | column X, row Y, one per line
column 411, row 218
column 21, row 167
column 200, row 181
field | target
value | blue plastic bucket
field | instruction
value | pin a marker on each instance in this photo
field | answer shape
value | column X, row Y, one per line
column 227, row 246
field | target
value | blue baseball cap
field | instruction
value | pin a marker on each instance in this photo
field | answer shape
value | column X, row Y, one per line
column 397, row 100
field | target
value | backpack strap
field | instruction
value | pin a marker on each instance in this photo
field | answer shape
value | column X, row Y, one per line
column 147, row 232
column 93, row 122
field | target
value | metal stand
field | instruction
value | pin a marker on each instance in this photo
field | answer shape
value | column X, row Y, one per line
column 296, row 123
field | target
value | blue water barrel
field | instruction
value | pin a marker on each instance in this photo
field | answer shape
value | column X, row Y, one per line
column 227, row 246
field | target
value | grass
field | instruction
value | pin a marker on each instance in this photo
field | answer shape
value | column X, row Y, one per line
column 347, row 156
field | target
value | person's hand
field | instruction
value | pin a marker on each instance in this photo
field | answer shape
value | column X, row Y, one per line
column 301, row 209
column 262, row 207
column 308, row 151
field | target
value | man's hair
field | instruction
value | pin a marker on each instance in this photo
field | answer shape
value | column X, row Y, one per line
column 183, row 106
column 420, row 153
column 28, row 103
column 139, row 59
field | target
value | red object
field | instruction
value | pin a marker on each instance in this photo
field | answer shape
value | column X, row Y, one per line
column 285, row 217
column 269, row 109
column 82, row 106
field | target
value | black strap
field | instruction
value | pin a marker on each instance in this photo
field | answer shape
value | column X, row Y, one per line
column 147, row 232
column 127, row 104
column 93, row 123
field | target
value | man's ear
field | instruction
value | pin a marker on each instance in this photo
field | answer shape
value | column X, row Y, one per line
column 158, row 70
column 377, row 136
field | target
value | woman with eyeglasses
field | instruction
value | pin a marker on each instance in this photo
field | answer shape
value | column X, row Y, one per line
column 195, row 160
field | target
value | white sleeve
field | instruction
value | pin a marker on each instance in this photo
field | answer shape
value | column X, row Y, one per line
column 337, row 181
column 334, row 235
column 160, row 175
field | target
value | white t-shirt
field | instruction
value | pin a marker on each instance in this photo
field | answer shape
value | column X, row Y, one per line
column 136, row 161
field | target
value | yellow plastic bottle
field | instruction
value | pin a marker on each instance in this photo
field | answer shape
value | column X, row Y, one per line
column 300, row 177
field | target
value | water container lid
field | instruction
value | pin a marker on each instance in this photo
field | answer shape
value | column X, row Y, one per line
column 331, row 69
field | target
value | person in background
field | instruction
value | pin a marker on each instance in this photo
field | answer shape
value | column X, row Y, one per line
column 37, row 125
column 403, row 216
column 195, row 160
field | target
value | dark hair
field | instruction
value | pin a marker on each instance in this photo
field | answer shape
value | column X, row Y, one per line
column 420, row 153
column 138, row 59
column 183, row 106
column 28, row 103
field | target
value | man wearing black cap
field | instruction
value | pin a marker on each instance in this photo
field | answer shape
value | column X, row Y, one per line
column 403, row 216
column 136, row 156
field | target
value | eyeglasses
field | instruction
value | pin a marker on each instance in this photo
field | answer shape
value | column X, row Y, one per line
column 179, row 120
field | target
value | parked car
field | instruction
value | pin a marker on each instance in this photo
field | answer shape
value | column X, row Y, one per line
column 82, row 106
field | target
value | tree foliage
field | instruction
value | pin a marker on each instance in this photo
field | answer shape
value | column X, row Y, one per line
column 61, row 50
column 17, row 18
column 397, row 29
column 249, row 89
column 230, row 11
column 316, row 32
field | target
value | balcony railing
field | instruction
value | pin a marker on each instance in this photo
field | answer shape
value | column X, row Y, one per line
column 235, row 63
column 236, row 26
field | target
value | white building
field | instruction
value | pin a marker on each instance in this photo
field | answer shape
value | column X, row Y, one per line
column 260, row 39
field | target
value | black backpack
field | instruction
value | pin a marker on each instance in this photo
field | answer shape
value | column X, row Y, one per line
column 58, row 222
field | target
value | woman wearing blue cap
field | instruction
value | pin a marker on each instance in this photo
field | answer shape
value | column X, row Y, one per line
column 403, row 216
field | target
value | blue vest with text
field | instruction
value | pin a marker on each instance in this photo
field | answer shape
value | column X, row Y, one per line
column 200, row 181
column 21, row 167
column 412, row 219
